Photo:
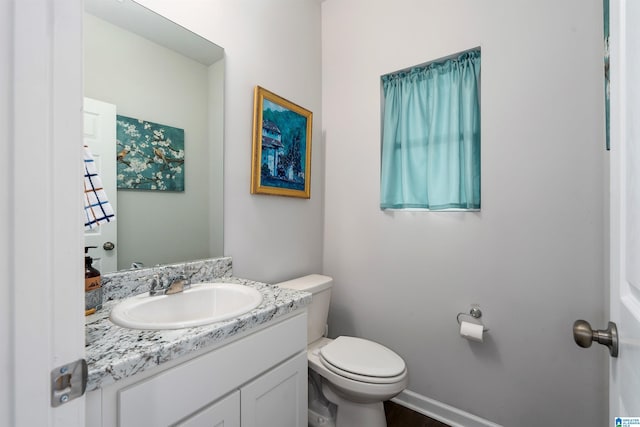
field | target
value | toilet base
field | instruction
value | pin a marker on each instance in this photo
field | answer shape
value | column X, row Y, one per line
column 315, row 419
column 353, row 414
column 321, row 412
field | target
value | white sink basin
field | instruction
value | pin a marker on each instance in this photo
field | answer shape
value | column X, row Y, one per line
column 203, row 303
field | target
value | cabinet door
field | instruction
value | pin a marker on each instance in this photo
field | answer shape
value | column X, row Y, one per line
column 223, row 413
column 277, row 398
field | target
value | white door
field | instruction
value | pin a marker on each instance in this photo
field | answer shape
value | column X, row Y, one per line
column 624, row 382
column 100, row 136
column 42, row 313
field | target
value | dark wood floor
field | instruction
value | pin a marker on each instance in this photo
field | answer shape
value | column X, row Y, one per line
column 399, row 416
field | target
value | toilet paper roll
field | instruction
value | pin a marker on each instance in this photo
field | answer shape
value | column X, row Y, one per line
column 471, row 331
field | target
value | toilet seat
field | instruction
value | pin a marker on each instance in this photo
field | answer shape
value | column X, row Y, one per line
column 362, row 360
column 353, row 390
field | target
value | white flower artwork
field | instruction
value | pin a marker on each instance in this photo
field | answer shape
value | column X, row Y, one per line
column 150, row 155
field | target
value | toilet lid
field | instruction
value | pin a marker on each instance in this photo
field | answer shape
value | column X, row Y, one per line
column 362, row 357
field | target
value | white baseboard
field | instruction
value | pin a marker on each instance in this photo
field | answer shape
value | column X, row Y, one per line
column 442, row 412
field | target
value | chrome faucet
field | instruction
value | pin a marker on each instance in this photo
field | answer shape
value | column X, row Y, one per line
column 175, row 286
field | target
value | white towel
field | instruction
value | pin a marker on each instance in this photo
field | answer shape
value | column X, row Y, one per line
column 97, row 208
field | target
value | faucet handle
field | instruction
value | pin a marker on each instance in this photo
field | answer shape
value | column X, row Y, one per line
column 155, row 285
column 178, row 285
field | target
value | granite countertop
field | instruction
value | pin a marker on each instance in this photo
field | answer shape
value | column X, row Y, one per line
column 113, row 352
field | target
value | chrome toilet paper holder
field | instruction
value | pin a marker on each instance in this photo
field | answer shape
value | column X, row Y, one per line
column 474, row 313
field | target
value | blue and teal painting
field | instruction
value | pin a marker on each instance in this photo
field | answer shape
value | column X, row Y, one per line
column 150, row 155
column 284, row 145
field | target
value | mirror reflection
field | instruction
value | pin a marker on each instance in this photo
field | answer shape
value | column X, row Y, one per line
column 147, row 68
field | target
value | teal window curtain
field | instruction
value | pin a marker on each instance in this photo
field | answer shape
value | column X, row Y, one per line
column 431, row 136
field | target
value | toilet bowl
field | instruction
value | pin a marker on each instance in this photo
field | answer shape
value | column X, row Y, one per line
column 356, row 374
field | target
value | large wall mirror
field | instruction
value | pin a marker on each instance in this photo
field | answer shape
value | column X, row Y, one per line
column 154, row 70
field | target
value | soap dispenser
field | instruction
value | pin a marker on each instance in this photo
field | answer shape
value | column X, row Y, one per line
column 92, row 284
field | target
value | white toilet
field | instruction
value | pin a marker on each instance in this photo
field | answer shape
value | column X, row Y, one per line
column 356, row 375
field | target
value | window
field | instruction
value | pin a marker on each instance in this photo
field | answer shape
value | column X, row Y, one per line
column 431, row 136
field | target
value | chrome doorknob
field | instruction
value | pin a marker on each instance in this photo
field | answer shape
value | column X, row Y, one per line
column 584, row 336
column 108, row 246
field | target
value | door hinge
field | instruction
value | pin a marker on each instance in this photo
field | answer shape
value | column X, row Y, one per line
column 68, row 382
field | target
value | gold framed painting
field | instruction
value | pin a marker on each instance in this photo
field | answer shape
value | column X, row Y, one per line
column 281, row 155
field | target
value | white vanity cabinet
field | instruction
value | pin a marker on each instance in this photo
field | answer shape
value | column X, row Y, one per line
column 259, row 379
column 278, row 397
column 223, row 413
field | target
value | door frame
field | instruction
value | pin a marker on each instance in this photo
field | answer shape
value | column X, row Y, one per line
column 41, row 193
column 616, row 126
column 623, row 305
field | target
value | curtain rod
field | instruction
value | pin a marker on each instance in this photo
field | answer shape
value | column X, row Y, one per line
column 442, row 59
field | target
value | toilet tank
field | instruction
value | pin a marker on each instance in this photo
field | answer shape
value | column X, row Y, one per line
column 320, row 288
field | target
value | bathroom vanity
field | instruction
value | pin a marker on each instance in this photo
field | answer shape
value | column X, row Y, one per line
column 247, row 371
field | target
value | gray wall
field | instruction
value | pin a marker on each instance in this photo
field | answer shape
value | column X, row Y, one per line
column 275, row 44
column 533, row 258
column 6, row 195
